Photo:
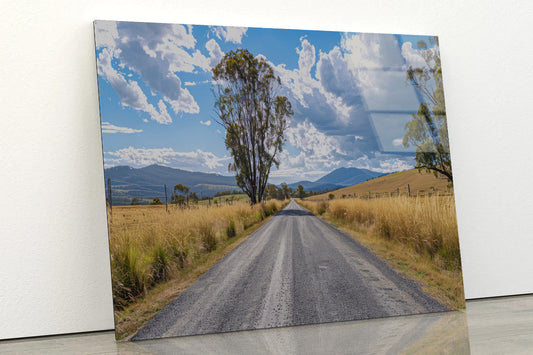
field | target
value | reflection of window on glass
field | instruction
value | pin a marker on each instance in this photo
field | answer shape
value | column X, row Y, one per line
column 428, row 130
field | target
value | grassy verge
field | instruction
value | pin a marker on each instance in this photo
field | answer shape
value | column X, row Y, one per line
column 415, row 236
column 155, row 254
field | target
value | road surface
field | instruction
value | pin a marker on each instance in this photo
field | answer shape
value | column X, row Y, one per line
column 296, row 269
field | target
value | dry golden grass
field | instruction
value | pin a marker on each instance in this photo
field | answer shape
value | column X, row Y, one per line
column 149, row 246
column 419, row 182
column 417, row 236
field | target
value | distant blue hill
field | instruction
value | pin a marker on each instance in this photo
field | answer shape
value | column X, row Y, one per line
column 148, row 182
column 348, row 176
column 338, row 178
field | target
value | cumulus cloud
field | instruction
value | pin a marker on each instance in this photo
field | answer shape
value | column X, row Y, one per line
column 129, row 91
column 412, row 56
column 109, row 128
column 397, row 142
column 310, row 99
column 156, row 52
column 311, row 141
column 374, row 64
column 384, row 163
column 307, row 57
column 196, row 160
column 206, row 123
column 230, row 34
column 335, row 95
column 215, row 53
column 364, row 73
column 317, row 154
column 106, row 34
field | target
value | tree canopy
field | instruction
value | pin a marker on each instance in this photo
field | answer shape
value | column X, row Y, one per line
column 178, row 198
column 253, row 116
column 156, row 201
column 428, row 129
column 300, row 192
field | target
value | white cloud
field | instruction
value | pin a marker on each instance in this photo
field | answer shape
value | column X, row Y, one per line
column 155, row 52
column 164, row 117
column 398, row 142
column 370, row 65
column 311, row 141
column 317, row 154
column 315, row 103
column 196, row 160
column 109, row 128
column 307, row 57
column 291, row 175
column 193, row 83
column 185, row 103
column 215, row 53
column 206, row 123
column 412, row 56
column 106, row 34
column 129, row 91
column 230, row 34
column 384, row 163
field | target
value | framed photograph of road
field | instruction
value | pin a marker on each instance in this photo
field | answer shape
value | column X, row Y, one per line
column 260, row 178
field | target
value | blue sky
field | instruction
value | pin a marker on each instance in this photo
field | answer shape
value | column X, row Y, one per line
column 348, row 92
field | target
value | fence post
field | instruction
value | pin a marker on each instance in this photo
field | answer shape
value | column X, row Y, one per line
column 166, row 199
column 409, row 190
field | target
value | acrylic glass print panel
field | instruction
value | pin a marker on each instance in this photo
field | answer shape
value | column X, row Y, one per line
column 260, row 178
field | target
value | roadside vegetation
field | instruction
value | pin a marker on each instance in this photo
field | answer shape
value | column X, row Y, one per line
column 150, row 246
column 415, row 235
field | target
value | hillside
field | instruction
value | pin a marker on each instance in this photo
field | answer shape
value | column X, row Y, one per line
column 348, row 176
column 148, row 182
column 419, row 182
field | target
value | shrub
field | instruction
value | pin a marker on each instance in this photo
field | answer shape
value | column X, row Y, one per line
column 160, row 265
column 208, row 237
column 128, row 276
column 156, row 201
column 231, row 231
column 322, row 208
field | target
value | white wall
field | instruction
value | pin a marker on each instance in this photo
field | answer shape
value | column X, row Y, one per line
column 54, row 265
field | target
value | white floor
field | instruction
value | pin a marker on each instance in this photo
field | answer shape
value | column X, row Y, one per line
column 495, row 326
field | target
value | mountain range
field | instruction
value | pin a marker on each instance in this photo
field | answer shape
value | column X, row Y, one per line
column 148, row 182
column 341, row 177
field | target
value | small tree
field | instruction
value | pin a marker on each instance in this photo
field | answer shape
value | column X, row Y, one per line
column 156, row 201
column 428, row 128
column 331, row 196
column 179, row 195
column 193, row 197
column 300, row 192
column 135, row 201
column 254, row 117
column 287, row 191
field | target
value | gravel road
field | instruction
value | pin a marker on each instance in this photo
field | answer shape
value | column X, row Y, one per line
column 296, row 269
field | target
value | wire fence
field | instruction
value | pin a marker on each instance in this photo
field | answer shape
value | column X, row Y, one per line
column 116, row 196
